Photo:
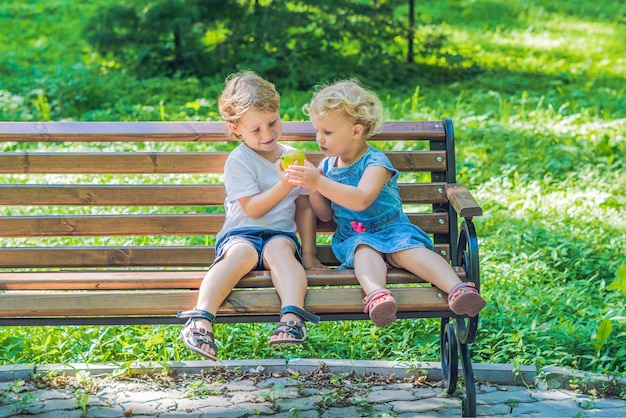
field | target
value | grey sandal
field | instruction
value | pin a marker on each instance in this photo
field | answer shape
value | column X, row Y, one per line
column 296, row 329
column 193, row 337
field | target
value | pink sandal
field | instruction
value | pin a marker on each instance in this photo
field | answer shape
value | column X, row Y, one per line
column 464, row 299
column 381, row 306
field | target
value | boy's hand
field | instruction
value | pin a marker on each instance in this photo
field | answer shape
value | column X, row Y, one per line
column 281, row 174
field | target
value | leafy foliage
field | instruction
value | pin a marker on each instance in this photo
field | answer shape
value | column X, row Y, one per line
column 536, row 91
column 308, row 40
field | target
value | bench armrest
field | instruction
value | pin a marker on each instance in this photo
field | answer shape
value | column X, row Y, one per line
column 462, row 201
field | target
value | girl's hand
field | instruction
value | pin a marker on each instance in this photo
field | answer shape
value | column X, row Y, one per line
column 306, row 176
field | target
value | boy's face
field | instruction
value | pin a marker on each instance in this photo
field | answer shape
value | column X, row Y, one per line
column 259, row 130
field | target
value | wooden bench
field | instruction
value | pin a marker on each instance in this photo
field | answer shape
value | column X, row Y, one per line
column 113, row 223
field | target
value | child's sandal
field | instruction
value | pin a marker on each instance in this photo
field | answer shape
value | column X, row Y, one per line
column 381, row 306
column 194, row 337
column 464, row 299
column 296, row 330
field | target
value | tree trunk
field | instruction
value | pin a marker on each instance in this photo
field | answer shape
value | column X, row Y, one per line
column 410, row 58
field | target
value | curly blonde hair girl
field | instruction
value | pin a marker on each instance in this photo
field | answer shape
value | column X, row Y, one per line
column 351, row 100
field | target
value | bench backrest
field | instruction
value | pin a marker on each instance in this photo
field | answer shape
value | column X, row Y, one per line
column 117, row 198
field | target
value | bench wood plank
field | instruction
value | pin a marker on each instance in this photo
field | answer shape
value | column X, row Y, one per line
column 164, row 302
column 166, row 163
column 185, row 279
column 190, row 131
column 163, row 195
column 174, row 224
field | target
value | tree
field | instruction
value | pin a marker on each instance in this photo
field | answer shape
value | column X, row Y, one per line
column 410, row 56
column 298, row 43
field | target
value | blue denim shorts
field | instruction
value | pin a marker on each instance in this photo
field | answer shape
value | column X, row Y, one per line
column 257, row 238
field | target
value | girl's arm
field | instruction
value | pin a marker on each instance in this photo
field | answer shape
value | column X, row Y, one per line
column 306, row 223
column 354, row 198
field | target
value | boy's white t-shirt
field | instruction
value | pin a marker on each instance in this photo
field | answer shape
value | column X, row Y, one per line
column 246, row 173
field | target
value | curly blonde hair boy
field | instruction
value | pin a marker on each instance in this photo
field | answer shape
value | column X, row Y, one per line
column 246, row 90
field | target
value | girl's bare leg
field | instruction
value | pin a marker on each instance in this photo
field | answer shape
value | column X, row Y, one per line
column 370, row 269
column 428, row 265
column 463, row 300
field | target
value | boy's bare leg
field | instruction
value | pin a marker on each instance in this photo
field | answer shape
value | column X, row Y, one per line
column 288, row 277
column 220, row 280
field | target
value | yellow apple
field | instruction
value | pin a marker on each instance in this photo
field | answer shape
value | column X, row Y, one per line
column 290, row 157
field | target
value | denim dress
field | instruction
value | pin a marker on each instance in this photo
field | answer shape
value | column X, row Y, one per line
column 383, row 225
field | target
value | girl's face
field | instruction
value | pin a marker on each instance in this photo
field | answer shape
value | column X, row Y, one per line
column 337, row 136
column 260, row 131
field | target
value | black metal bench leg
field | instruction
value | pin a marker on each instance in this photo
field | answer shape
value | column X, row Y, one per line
column 449, row 355
column 469, row 401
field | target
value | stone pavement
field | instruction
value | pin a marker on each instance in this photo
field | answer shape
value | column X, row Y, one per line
column 298, row 388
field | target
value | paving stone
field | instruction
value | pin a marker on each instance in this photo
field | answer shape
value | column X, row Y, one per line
column 299, row 404
column 242, row 385
column 245, row 408
column 58, row 414
column 378, row 396
column 609, row 404
column 53, row 394
column 276, row 382
column 553, row 394
column 423, row 393
column 39, row 407
column 426, row 405
column 298, row 413
column 113, row 411
column 341, row 412
column 496, row 397
column 546, row 409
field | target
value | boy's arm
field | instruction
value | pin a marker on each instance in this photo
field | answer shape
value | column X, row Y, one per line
column 306, row 223
column 258, row 205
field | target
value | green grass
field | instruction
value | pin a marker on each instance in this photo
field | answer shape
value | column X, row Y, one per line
column 540, row 129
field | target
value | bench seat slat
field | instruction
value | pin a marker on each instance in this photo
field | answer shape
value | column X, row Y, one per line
column 168, row 302
column 165, row 256
column 187, row 279
column 181, row 162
